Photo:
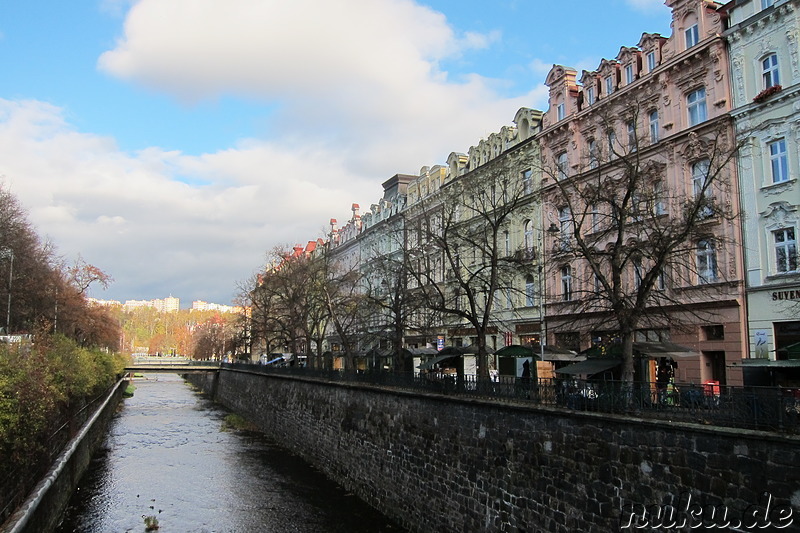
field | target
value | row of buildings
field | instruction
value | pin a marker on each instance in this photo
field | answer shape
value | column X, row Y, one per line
column 169, row 304
column 654, row 202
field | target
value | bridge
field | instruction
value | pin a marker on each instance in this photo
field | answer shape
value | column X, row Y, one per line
column 171, row 365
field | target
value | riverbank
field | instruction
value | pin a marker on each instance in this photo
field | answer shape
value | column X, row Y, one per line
column 42, row 510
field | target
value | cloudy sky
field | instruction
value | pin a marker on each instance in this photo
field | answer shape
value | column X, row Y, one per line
column 172, row 143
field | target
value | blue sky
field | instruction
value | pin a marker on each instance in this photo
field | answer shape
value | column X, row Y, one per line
column 173, row 143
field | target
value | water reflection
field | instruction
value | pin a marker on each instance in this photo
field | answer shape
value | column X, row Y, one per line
column 167, row 456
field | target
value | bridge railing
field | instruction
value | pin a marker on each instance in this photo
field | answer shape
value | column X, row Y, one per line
column 762, row 408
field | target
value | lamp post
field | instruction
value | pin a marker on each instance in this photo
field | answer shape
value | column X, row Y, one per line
column 8, row 253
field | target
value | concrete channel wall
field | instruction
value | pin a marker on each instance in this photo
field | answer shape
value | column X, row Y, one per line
column 42, row 510
column 438, row 463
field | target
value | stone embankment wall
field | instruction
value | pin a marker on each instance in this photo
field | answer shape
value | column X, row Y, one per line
column 42, row 510
column 437, row 463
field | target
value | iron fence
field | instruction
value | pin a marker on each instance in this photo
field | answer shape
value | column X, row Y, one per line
column 763, row 408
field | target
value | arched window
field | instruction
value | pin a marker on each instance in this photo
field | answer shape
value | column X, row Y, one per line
column 770, row 71
column 562, row 164
column 530, row 291
column 706, row 262
column 528, row 237
column 691, row 31
column 566, row 283
column 700, row 177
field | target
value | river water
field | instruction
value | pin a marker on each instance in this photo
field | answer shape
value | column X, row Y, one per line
column 169, row 455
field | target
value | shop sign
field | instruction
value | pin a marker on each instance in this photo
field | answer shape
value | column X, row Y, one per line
column 786, row 295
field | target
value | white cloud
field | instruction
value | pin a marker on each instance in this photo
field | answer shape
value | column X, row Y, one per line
column 361, row 97
column 361, row 76
column 130, row 216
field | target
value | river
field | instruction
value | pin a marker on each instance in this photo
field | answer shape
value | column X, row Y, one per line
column 169, row 455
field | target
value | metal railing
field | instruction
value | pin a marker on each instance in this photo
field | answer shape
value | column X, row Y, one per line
column 763, row 408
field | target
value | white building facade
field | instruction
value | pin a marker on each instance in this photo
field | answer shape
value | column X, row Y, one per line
column 765, row 74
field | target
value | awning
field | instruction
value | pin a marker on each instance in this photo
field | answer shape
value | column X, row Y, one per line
column 652, row 350
column 429, row 364
column 769, row 363
column 422, row 351
column 589, row 367
column 663, row 349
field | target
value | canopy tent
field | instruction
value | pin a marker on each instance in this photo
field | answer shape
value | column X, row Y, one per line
column 516, row 350
column 590, row 367
column 427, row 365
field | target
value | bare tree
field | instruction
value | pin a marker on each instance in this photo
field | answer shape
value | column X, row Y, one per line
column 339, row 285
column 393, row 307
column 632, row 230
column 459, row 260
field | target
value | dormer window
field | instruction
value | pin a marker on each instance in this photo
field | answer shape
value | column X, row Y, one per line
column 629, row 74
column 651, row 61
column 609, row 84
column 561, row 111
column 590, row 95
column 692, row 34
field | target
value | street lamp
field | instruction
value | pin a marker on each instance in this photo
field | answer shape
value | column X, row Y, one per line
column 8, row 253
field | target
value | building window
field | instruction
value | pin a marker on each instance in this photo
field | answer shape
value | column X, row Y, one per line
column 785, row 250
column 638, row 273
column 528, row 238
column 590, row 95
column 560, row 111
column 766, row 3
column 628, row 74
column 527, row 181
column 609, row 84
column 530, row 291
column 593, row 162
column 507, row 240
column 778, row 161
column 565, row 226
column 509, row 299
column 692, row 35
column 662, row 280
column 696, row 104
column 562, row 164
column 659, row 207
column 595, row 213
column 706, row 262
column 653, row 119
column 612, row 140
column 566, row 283
column 631, row 136
column 700, row 187
column 770, row 73
column 651, row 61
column 714, row 332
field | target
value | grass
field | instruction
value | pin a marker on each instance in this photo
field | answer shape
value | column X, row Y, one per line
column 237, row 422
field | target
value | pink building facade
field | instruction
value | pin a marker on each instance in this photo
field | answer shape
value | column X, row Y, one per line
column 661, row 107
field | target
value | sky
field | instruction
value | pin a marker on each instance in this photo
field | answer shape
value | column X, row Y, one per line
column 175, row 143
